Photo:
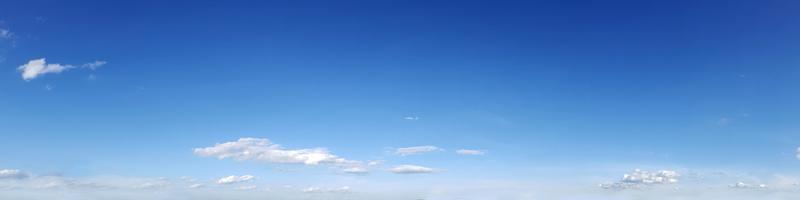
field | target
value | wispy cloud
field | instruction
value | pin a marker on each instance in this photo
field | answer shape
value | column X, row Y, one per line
column 471, row 152
column 235, row 179
column 411, row 169
column 94, row 65
column 406, row 151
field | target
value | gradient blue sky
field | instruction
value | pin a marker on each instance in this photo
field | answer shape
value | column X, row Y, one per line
column 577, row 91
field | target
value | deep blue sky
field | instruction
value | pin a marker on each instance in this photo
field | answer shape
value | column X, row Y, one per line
column 538, row 84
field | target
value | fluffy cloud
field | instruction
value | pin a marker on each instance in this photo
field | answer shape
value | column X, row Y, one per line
column 416, row 150
column 411, row 169
column 37, row 67
column 13, row 174
column 235, row 179
column 471, row 152
column 641, row 178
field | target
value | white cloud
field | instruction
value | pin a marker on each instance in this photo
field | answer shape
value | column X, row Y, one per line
column 356, row 170
column 260, row 149
column 411, row 169
column 196, row 185
column 13, row 174
column 38, row 67
column 375, row 162
column 742, row 185
column 471, row 152
column 412, row 118
column 641, row 178
column 416, row 150
column 235, row 179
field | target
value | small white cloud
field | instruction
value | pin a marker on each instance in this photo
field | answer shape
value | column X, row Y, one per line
column 235, row 179
column 411, row 169
column 471, row 152
column 641, row 178
column 406, row 151
column 742, row 185
column 38, row 67
column 196, row 185
column 375, row 162
column 356, row 170
column 412, row 118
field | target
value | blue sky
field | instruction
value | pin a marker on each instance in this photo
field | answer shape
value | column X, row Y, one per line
column 553, row 96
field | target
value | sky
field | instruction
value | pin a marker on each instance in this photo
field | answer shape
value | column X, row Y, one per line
column 435, row 100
